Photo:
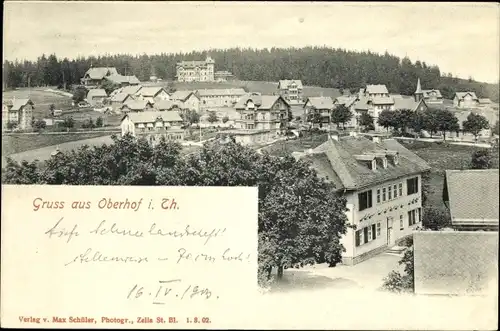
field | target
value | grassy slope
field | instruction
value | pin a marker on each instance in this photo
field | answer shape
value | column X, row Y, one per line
column 41, row 98
column 20, row 143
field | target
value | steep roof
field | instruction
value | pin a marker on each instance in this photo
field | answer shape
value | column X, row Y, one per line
column 153, row 116
column 97, row 92
column 17, row 104
column 361, row 104
column 101, row 72
column 182, row 95
column 405, row 102
column 261, row 101
column 167, row 104
column 346, row 100
column 380, row 88
column 472, row 194
column 419, row 88
column 137, row 104
column 336, row 159
column 150, row 91
column 382, row 101
column 120, row 97
column 223, row 92
column 320, row 102
column 462, row 95
column 284, row 83
column 119, row 79
column 428, row 93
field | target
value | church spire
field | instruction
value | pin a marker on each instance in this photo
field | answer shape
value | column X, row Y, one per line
column 418, row 92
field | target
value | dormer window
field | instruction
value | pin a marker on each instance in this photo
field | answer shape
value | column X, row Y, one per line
column 374, row 165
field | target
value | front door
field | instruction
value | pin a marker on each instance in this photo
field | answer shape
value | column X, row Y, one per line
column 390, row 233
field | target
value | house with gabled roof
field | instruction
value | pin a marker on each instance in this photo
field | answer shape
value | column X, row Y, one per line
column 382, row 183
column 119, row 99
column 153, row 125
column 465, row 100
column 136, row 106
column 121, row 80
column 96, row 96
column 188, row 99
column 472, row 198
column 291, row 90
column 152, row 93
column 17, row 113
column 323, row 105
column 168, row 105
column 95, row 76
column 262, row 112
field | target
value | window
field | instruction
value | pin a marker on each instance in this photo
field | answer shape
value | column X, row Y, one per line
column 412, row 185
column 365, row 234
column 401, row 222
column 419, row 212
column 411, row 217
column 378, row 195
column 395, row 191
column 359, row 235
column 378, row 229
column 383, row 194
column 365, row 200
column 389, row 192
column 369, row 233
column 400, row 189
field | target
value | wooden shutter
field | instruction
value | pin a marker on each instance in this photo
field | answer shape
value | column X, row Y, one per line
column 366, row 234
column 374, row 231
column 357, row 238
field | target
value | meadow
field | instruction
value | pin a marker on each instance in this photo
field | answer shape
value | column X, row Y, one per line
column 41, row 98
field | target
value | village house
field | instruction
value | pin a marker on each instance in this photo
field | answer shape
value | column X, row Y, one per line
column 130, row 89
column 223, row 76
column 17, row 113
column 465, row 100
column 322, row 105
column 95, row 76
column 477, row 211
column 408, row 102
column 485, row 102
column 96, row 96
column 373, row 99
column 152, row 94
column 291, row 91
column 121, row 81
column 168, row 105
column 153, row 125
column 381, row 181
column 136, row 106
column 187, row 100
column 215, row 98
column 462, row 114
column 432, row 96
column 196, row 71
column 118, row 100
column 262, row 112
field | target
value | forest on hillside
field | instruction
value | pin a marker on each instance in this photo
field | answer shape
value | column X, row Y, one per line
column 315, row 66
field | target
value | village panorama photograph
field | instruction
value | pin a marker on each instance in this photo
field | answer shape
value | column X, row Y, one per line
column 370, row 129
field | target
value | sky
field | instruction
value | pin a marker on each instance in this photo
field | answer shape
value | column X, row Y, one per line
column 461, row 38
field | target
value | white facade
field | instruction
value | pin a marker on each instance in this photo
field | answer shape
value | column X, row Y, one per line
column 196, row 71
column 392, row 219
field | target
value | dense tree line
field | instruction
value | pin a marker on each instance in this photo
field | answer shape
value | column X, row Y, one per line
column 301, row 218
column 317, row 66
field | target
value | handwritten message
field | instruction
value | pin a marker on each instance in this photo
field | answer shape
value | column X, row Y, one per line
column 99, row 256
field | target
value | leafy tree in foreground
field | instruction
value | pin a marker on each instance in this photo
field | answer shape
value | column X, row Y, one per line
column 481, row 159
column 314, row 117
column 301, row 219
column 341, row 115
column 387, row 119
column 446, row 122
column 79, row 94
column 397, row 282
column 99, row 122
column 212, row 117
column 474, row 124
column 39, row 125
column 366, row 121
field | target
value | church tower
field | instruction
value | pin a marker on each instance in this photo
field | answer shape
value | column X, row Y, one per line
column 419, row 95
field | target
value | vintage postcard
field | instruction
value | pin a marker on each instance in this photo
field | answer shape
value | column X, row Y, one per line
column 250, row 165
